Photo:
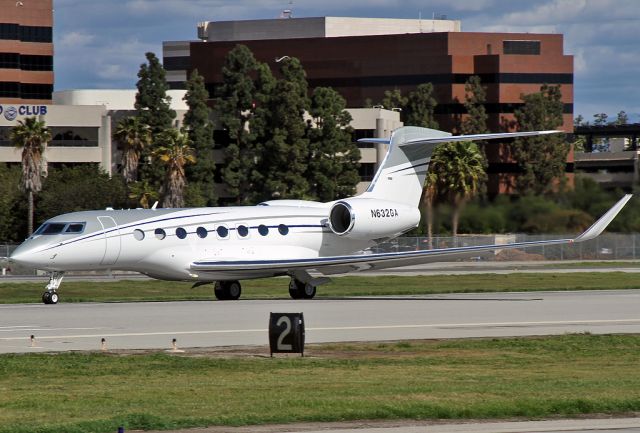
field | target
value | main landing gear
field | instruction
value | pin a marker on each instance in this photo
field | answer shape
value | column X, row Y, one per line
column 51, row 295
column 300, row 290
column 227, row 290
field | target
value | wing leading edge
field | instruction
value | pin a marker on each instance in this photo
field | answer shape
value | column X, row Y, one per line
column 341, row 264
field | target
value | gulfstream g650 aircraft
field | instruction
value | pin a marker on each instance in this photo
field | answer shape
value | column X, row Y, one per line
column 302, row 239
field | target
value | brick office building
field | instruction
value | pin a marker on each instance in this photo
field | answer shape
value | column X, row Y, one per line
column 26, row 52
column 361, row 58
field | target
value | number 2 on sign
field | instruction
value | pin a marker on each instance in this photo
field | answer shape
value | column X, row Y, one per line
column 283, row 334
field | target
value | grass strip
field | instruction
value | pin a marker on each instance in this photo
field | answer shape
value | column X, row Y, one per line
column 492, row 378
column 144, row 290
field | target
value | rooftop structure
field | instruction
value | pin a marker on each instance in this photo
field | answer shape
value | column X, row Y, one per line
column 318, row 27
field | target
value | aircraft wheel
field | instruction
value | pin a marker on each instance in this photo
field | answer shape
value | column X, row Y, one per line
column 218, row 290
column 234, row 290
column 300, row 290
column 50, row 297
column 294, row 290
column 227, row 290
column 309, row 291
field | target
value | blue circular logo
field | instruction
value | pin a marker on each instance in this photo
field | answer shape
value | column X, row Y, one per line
column 11, row 113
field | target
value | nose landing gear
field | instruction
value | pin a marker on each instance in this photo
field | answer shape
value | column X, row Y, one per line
column 51, row 295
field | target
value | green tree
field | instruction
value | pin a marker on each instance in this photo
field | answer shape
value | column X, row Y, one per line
column 283, row 158
column 92, row 189
column 621, row 118
column 143, row 194
column 31, row 135
column 420, row 107
column 153, row 108
column 541, row 159
column 394, row 99
column 475, row 96
column 175, row 152
column 12, row 223
column 600, row 119
column 235, row 104
column 334, row 158
column 197, row 121
column 429, row 197
column 460, row 171
column 152, row 104
column 134, row 136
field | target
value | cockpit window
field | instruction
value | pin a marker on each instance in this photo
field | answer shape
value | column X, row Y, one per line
column 74, row 228
column 59, row 228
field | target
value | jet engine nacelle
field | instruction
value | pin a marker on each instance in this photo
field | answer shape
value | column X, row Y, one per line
column 365, row 218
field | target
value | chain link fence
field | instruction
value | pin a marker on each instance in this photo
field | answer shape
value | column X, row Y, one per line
column 608, row 246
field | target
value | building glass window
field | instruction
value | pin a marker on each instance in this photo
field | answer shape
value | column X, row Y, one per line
column 10, row 31
column 521, row 47
column 73, row 136
column 366, row 171
column 9, row 60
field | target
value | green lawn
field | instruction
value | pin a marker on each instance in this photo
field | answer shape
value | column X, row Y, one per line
column 136, row 290
column 492, row 378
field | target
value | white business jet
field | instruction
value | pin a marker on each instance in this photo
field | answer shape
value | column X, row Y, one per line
column 305, row 240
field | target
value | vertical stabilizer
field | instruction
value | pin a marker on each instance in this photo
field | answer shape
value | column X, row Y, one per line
column 401, row 175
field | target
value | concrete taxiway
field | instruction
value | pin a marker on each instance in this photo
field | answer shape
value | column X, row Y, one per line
column 153, row 325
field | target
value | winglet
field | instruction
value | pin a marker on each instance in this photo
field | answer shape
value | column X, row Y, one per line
column 599, row 226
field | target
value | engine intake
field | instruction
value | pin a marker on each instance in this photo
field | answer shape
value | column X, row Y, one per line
column 363, row 218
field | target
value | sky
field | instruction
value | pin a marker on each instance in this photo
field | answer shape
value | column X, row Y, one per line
column 101, row 43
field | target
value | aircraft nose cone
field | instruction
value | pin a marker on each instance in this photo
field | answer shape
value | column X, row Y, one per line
column 21, row 256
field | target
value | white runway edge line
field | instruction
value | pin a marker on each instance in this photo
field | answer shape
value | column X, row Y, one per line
column 341, row 328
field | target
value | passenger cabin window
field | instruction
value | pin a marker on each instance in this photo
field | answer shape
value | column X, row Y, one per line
column 181, row 233
column 283, row 229
column 202, row 232
column 243, row 231
column 263, row 230
column 222, row 231
column 160, row 233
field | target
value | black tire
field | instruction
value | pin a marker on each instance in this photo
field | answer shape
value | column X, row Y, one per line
column 218, row 290
column 234, row 290
column 308, row 291
column 300, row 290
column 294, row 289
column 227, row 290
column 46, row 297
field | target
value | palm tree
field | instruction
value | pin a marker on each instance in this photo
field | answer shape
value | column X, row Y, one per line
column 142, row 193
column 31, row 135
column 175, row 152
column 460, row 170
column 429, row 194
column 134, row 136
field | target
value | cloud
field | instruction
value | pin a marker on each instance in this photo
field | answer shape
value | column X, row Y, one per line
column 76, row 39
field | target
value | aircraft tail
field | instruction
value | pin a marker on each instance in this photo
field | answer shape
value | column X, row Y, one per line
column 400, row 177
